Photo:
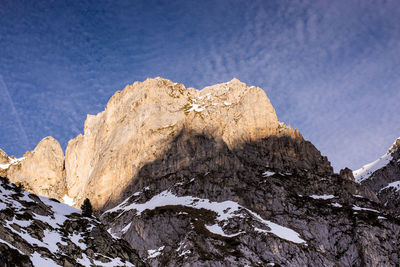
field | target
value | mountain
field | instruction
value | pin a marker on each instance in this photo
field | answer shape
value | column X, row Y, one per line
column 38, row 231
column 383, row 177
column 211, row 177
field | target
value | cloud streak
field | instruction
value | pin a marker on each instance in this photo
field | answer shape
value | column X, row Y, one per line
column 14, row 113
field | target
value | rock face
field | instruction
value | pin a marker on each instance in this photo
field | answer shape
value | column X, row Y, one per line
column 41, row 171
column 140, row 122
column 37, row 231
column 383, row 177
column 218, row 206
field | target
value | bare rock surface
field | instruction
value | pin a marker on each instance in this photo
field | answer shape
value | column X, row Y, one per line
column 41, row 171
column 205, row 204
column 140, row 121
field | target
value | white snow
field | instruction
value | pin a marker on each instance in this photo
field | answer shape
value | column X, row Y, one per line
column 381, row 218
column 268, row 173
column 337, row 205
column 358, row 196
column 325, row 197
column 75, row 238
column 365, row 171
column 126, row 228
column 195, row 107
column 51, row 238
column 68, row 200
column 395, row 185
column 38, row 260
column 85, row 261
column 216, row 229
column 112, row 234
column 154, row 252
column 359, row 208
column 224, row 210
column 227, row 103
column 11, row 161
column 3, row 206
column 183, row 253
column 4, row 166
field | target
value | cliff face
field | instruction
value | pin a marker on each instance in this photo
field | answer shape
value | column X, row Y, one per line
column 140, row 122
column 204, row 204
column 40, row 171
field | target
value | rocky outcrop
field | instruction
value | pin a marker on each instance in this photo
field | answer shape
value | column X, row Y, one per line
column 41, row 171
column 383, row 177
column 37, row 231
column 141, row 121
column 204, row 204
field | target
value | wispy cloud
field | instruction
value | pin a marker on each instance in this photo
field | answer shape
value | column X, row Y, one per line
column 10, row 114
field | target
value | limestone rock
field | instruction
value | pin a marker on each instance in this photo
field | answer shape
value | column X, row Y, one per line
column 42, row 170
column 346, row 173
column 140, row 121
column 3, row 157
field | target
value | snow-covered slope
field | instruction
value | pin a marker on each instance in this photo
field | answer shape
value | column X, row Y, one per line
column 38, row 231
column 367, row 170
column 383, row 177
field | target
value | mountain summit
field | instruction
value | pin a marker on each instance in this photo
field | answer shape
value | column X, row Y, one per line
column 138, row 126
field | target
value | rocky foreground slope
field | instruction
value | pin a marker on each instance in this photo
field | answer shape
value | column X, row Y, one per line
column 383, row 177
column 213, row 178
column 38, row 231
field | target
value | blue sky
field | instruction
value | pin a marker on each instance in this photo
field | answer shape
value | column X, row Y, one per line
column 330, row 68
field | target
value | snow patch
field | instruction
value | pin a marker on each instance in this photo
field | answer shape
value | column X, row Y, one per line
column 394, row 185
column 68, row 200
column 367, row 209
column 76, row 240
column 196, row 108
column 126, row 228
column 268, row 173
column 224, row 210
column 367, row 170
column 216, row 229
column 38, row 260
column 325, row 197
column 155, row 252
column 336, row 205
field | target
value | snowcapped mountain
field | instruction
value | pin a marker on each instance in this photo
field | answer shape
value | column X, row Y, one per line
column 383, row 177
column 38, row 231
column 182, row 177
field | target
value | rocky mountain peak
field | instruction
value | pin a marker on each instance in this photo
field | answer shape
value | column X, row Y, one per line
column 41, row 171
column 3, row 157
column 395, row 145
column 144, row 121
column 140, row 121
